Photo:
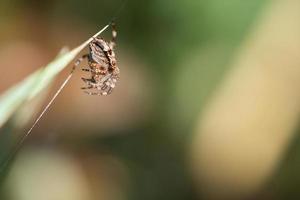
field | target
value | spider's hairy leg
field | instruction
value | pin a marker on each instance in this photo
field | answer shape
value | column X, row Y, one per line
column 112, row 43
column 78, row 61
column 88, row 87
column 114, row 32
column 87, row 81
column 110, row 90
column 96, row 93
column 104, row 87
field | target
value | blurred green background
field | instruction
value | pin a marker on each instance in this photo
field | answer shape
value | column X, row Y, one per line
column 134, row 144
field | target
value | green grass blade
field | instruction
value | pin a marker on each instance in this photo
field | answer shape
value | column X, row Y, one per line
column 35, row 83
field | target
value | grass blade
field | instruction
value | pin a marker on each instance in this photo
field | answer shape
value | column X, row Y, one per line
column 31, row 86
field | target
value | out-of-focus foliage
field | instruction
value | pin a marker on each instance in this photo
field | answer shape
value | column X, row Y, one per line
column 172, row 54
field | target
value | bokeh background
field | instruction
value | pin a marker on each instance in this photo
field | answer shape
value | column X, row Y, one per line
column 207, row 106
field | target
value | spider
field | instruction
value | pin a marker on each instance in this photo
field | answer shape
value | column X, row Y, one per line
column 102, row 66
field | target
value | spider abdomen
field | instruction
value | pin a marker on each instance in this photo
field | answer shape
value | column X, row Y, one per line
column 103, row 66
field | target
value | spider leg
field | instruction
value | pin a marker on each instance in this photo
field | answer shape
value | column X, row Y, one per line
column 110, row 90
column 96, row 93
column 78, row 61
column 104, row 87
column 89, row 82
column 88, row 87
column 112, row 43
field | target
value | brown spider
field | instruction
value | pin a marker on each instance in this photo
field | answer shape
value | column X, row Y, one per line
column 102, row 65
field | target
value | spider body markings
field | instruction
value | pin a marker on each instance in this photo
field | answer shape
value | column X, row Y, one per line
column 102, row 66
